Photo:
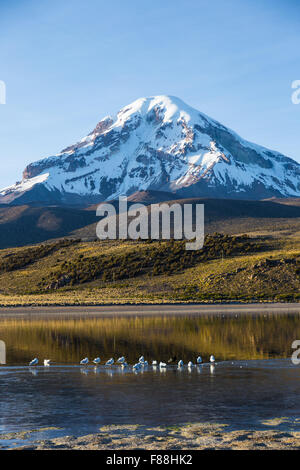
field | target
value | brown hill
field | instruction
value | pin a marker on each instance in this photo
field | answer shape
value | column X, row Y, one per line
column 225, row 215
column 23, row 225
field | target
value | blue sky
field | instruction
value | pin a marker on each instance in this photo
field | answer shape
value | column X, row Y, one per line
column 67, row 63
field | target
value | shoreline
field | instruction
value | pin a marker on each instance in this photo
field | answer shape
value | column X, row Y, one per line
column 228, row 309
column 196, row 436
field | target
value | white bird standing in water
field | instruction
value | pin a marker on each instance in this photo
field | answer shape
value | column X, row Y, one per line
column 212, row 359
column 47, row 362
column 141, row 359
column 121, row 360
column 34, row 362
column 199, row 360
column 110, row 362
column 162, row 365
column 154, row 363
column 137, row 366
column 84, row 361
column 190, row 364
column 180, row 363
column 97, row 360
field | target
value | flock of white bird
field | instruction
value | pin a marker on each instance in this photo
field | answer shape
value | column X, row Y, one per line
column 122, row 362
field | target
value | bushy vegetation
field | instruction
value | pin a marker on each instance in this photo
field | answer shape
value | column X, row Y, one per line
column 22, row 258
column 153, row 259
column 298, row 266
column 111, row 272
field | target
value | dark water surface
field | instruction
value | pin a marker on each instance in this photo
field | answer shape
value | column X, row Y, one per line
column 253, row 381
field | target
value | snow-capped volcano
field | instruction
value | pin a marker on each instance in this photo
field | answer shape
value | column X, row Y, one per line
column 163, row 144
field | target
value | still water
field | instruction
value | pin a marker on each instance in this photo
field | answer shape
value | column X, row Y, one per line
column 253, row 381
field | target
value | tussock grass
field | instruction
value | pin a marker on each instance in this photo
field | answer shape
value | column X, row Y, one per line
column 159, row 272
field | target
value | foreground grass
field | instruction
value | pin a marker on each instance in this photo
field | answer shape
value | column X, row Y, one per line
column 188, row 436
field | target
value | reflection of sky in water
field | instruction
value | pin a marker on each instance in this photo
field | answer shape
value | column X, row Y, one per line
column 81, row 399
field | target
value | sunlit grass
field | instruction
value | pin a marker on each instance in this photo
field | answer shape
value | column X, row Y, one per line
column 200, row 283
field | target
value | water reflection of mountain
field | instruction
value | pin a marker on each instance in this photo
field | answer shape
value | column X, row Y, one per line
column 68, row 339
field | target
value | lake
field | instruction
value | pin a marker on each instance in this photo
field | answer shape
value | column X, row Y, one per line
column 253, row 380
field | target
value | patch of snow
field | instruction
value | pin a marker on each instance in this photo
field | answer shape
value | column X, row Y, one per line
column 25, row 184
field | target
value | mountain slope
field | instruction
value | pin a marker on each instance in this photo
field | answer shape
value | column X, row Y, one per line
column 162, row 144
column 231, row 216
column 23, row 225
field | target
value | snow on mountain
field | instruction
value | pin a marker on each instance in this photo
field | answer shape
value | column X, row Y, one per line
column 157, row 143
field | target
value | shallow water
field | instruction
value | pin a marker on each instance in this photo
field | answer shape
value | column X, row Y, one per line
column 253, row 381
